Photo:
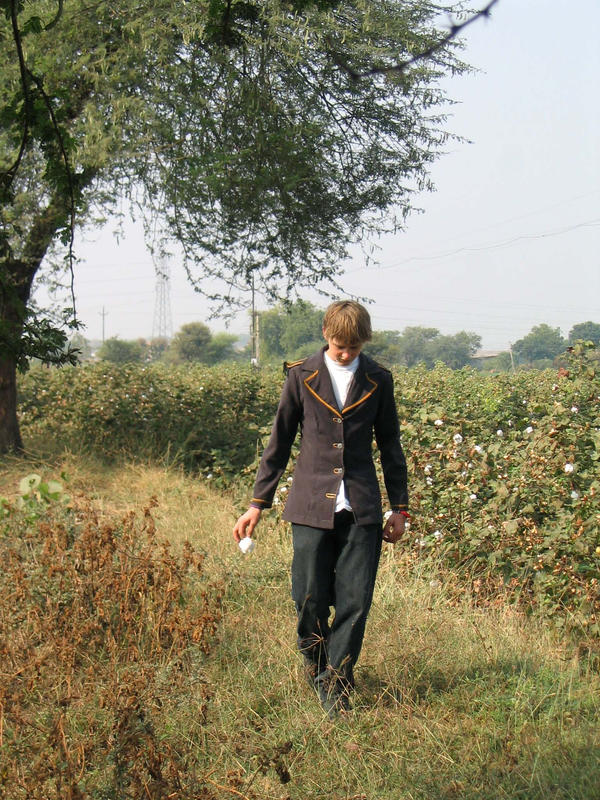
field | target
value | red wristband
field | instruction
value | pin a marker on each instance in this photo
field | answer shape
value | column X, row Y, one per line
column 404, row 514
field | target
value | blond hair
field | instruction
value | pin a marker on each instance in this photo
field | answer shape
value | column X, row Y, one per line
column 348, row 322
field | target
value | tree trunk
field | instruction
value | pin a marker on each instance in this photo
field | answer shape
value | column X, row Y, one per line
column 15, row 293
column 16, row 279
column 10, row 436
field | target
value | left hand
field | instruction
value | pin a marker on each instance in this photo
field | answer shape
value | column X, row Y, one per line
column 393, row 529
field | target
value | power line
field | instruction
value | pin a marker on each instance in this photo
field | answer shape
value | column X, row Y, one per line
column 492, row 246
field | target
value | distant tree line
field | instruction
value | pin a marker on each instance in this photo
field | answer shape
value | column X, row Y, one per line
column 294, row 331
column 193, row 343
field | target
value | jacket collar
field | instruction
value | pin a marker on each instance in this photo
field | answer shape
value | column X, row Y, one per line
column 318, row 382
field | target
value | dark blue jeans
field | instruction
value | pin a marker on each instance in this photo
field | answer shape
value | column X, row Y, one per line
column 334, row 568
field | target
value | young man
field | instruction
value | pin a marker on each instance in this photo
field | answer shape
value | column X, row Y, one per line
column 338, row 398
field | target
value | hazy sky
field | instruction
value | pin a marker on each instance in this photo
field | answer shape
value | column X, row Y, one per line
column 511, row 237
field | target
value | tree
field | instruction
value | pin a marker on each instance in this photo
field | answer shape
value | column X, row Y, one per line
column 229, row 121
column 290, row 331
column 220, row 348
column 157, row 348
column 588, row 331
column 120, row 351
column 80, row 343
column 194, row 342
column 415, row 345
column 542, row 342
column 384, row 347
column 456, row 350
column 190, row 343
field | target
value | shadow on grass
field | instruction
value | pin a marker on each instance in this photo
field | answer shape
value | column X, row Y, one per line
column 508, row 729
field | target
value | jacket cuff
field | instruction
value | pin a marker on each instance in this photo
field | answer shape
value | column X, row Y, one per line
column 256, row 502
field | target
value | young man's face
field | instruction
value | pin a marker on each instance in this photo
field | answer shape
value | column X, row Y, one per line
column 342, row 352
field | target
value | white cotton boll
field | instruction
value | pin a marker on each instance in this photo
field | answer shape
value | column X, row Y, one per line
column 574, row 409
column 529, row 429
column 478, row 448
column 247, row 545
column 473, row 496
column 499, row 432
column 457, row 438
column 574, row 495
column 438, row 422
column 569, row 467
column 427, row 469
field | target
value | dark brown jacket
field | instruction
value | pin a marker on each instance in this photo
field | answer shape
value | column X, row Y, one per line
column 335, row 445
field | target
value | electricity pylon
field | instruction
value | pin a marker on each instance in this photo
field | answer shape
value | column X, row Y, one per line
column 162, row 326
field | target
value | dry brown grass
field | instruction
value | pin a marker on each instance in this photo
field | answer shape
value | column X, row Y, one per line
column 453, row 700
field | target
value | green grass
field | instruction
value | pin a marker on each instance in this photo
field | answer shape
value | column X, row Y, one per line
column 453, row 700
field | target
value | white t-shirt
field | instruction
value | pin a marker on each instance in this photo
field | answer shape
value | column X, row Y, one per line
column 341, row 378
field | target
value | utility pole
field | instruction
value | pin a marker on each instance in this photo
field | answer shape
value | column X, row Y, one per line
column 512, row 360
column 103, row 314
column 254, row 330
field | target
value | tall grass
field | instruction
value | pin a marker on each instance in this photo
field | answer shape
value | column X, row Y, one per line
column 453, row 700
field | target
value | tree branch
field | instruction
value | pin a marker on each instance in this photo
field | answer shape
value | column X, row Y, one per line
column 401, row 66
column 9, row 176
column 61, row 144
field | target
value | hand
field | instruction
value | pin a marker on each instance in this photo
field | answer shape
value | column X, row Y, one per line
column 393, row 529
column 246, row 523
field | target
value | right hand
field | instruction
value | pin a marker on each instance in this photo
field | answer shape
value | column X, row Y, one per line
column 246, row 523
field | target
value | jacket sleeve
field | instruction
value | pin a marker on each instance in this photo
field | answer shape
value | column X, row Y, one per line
column 387, row 436
column 277, row 451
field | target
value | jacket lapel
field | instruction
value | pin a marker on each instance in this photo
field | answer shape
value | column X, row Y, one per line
column 318, row 382
column 362, row 387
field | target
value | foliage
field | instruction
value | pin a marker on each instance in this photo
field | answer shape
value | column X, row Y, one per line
column 81, row 344
column 499, row 363
column 104, row 631
column 206, row 418
column 39, row 339
column 452, row 700
column 586, row 331
column 505, row 482
column 120, row 351
column 455, row 350
column 228, row 121
column 220, row 348
column 541, row 342
column 419, row 345
column 230, row 126
column 503, row 469
column 286, row 331
column 194, row 342
column 384, row 347
column 189, row 343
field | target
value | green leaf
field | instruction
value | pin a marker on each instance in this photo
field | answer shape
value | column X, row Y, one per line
column 29, row 483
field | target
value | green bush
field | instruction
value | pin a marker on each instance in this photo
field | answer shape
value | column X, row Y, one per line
column 204, row 417
column 503, row 470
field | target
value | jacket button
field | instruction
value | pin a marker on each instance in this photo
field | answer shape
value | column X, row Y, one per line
column 337, row 419
column 337, row 470
column 337, row 444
